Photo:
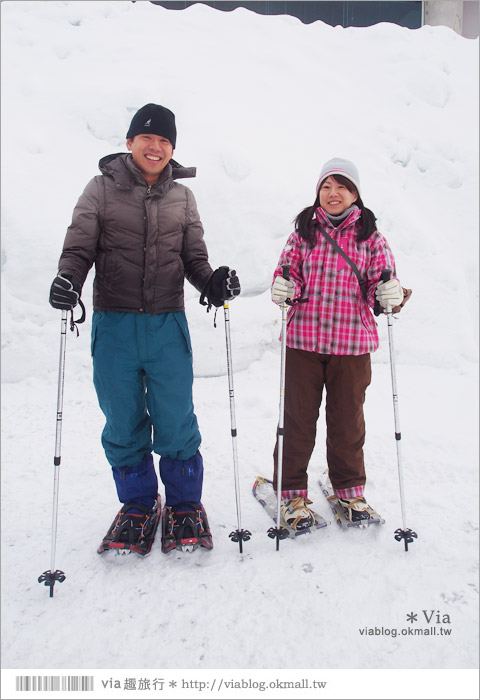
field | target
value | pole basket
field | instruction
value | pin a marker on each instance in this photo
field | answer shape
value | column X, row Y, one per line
column 280, row 533
column 49, row 578
column 240, row 536
column 407, row 535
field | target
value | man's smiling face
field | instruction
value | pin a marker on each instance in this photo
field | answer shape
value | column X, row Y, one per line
column 151, row 153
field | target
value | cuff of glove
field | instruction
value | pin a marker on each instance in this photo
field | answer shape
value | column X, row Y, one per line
column 407, row 293
column 76, row 284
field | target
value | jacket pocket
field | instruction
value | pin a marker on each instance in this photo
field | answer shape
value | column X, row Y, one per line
column 96, row 318
column 105, row 267
column 181, row 320
column 368, row 321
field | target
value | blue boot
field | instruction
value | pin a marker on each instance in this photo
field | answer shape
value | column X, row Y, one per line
column 137, row 484
column 183, row 479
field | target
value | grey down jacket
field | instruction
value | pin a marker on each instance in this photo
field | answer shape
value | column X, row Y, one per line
column 144, row 240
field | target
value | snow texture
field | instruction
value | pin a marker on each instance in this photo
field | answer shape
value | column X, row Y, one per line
column 261, row 103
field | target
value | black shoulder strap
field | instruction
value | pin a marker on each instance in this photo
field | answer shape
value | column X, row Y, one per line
column 361, row 281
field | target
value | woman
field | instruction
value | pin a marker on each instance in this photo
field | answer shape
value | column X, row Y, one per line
column 330, row 337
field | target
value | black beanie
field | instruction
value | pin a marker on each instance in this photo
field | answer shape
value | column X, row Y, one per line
column 154, row 119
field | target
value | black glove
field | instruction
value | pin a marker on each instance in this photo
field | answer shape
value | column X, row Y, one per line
column 222, row 285
column 64, row 292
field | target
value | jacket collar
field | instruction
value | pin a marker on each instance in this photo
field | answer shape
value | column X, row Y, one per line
column 323, row 220
column 122, row 169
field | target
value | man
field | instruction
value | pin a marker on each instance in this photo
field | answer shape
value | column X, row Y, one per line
column 143, row 232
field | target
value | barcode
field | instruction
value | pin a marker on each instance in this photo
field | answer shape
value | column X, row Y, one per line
column 52, row 683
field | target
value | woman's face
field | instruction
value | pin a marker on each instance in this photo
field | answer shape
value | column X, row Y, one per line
column 335, row 197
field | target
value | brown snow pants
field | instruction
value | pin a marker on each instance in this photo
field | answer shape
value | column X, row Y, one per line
column 345, row 378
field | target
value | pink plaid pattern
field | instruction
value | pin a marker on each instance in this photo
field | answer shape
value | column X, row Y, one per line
column 353, row 492
column 336, row 320
column 293, row 493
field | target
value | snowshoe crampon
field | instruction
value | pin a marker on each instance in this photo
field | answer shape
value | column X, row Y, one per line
column 132, row 531
column 185, row 527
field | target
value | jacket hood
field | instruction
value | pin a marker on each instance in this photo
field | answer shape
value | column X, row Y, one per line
column 121, row 167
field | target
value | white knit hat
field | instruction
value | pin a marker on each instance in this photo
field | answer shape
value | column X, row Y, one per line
column 340, row 166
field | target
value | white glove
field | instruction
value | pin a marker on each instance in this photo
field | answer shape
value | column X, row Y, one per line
column 282, row 290
column 389, row 293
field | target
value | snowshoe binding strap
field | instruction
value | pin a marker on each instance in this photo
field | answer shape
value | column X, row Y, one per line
column 296, row 513
column 186, row 526
column 130, row 527
column 352, row 512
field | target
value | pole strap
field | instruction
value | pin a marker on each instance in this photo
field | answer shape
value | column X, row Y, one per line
column 74, row 322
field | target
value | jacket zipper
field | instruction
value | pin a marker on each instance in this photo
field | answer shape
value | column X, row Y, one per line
column 149, row 189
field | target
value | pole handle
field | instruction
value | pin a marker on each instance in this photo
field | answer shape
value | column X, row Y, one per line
column 286, row 272
column 385, row 276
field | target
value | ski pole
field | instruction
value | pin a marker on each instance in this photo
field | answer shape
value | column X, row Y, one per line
column 279, row 532
column 400, row 534
column 49, row 577
column 237, row 535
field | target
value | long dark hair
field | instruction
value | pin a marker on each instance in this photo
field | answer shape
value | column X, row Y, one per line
column 305, row 221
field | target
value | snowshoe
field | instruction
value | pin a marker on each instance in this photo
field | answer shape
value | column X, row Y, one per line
column 132, row 532
column 355, row 509
column 185, row 527
column 265, row 495
column 350, row 512
column 296, row 513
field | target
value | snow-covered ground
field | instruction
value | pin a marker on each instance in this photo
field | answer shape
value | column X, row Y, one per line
column 261, row 103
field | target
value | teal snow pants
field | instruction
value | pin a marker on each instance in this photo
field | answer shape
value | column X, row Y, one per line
column 143, row 375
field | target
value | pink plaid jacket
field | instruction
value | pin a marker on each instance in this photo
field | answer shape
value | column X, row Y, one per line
column 336, row 320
